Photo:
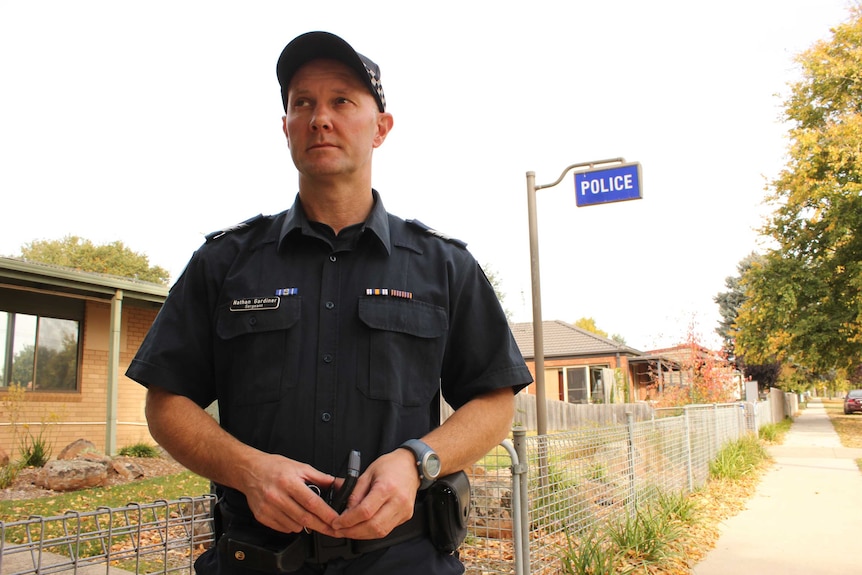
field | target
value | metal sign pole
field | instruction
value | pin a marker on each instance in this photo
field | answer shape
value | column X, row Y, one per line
column 538, row 336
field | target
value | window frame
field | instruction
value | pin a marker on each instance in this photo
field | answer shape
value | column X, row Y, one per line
column 14, row 303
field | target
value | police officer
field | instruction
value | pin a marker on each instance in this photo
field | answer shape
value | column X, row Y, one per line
column 326, row 329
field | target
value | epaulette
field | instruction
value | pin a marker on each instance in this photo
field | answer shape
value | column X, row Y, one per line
column 240, row 226
column 435, row 233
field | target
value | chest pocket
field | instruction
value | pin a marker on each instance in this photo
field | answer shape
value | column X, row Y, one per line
column 405, row 349
column 257, row 351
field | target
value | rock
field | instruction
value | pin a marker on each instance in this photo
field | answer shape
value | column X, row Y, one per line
column 76, row 448
column 127, row 469
column 199, row 514
column 496, row 528
column 93, row 456
column 71, row 475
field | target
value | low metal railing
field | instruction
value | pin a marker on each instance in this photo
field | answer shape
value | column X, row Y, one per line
column 529, row 496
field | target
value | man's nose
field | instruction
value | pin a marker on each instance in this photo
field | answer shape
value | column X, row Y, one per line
column 321, row 119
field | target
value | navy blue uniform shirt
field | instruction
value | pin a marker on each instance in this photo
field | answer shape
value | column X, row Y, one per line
column 314, row 344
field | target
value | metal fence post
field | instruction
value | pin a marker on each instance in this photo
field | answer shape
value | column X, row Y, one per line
column 718, row 438
column 633, row 494
column 519, row 435
column 688, row 462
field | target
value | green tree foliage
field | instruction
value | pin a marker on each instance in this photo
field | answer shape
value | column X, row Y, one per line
column 589, row 324
column 728, row 305
column 494, row 280
column 804, row 303
column 729, row 302
column 80, row 254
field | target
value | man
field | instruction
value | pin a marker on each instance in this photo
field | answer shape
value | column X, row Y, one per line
column 328, row 328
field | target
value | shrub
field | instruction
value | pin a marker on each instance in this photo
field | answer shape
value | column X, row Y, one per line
column 738, row 459
column 139, row 450
column 644, row 535
column 8, row 473
column 592, row 555
column 35, row 450
column 677, row 505
column 775, row 432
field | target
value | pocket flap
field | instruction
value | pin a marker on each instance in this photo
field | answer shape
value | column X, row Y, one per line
column 412, row 317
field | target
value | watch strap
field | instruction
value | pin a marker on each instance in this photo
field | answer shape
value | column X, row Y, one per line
column 420, row 450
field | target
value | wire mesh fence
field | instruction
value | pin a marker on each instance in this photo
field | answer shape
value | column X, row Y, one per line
column 529, row 497
column 580, row 479
column 160, row 537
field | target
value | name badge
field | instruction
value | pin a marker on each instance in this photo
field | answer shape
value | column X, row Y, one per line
column 254, row 303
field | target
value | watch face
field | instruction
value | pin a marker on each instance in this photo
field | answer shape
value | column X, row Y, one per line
column 432, row 466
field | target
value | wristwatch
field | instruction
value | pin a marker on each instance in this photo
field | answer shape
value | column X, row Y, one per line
column 427, row 462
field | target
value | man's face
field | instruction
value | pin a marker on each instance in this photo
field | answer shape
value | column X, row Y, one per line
column 332, row 122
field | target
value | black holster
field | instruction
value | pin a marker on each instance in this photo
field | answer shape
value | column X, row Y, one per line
column 448, row 507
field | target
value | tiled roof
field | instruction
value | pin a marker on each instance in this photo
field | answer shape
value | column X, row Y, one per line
column 561, row 339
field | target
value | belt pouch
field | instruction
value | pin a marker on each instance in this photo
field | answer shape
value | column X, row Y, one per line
column 248, row 555
column 448, row 504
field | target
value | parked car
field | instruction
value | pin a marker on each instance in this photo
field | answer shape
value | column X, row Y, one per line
column 853, row 401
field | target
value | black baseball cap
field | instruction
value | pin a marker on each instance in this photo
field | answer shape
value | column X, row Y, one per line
column 313, row 45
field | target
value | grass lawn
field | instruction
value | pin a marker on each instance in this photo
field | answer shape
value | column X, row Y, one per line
column 848, row 427
column 167, row 487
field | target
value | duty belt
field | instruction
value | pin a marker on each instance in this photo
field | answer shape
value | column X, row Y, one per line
column 311, row 547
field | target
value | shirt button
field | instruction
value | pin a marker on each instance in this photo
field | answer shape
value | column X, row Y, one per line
column 326, row 417
column 327, row 358
column 252, row 320
column 332, row 258
column 330, row 305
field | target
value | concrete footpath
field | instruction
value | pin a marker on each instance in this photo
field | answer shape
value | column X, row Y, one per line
column 803, row 517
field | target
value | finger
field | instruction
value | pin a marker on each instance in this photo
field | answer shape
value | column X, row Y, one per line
column 294, row 508
column 380, row 524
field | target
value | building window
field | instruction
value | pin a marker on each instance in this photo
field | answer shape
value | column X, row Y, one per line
column 39, row 353
column 585, row 384
column 577, row 384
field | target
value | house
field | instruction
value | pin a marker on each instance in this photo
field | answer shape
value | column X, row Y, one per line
column 583, row 367
column 697, row 361
column 580, row 366
column 66, row 338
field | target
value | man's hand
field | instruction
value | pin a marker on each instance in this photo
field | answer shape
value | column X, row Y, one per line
column 276, row 487
column 383, row 498
column 279, row 495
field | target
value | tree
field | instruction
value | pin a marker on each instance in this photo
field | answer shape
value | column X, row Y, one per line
column 728, row 306
column 494, row 280
column 729, row 303
column 80, row 254
column 589, row 324
column 804, row 300
column 708, row 377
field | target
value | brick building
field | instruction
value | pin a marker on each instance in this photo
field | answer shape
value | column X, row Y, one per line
column 66, row 339
column 583, row 367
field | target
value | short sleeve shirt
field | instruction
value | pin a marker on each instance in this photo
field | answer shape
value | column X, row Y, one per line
column 314, row 347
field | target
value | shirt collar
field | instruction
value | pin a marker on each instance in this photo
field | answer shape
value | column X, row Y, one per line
column 377, row 222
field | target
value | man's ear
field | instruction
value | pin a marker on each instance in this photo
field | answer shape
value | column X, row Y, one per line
column 385, row 121
column 284, row 129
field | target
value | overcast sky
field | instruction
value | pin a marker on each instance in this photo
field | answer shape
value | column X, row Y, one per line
column 156, row 122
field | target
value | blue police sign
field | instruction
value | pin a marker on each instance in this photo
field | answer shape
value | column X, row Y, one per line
column 604, row 185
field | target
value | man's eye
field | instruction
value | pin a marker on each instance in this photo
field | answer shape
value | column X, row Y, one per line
column 342, row 101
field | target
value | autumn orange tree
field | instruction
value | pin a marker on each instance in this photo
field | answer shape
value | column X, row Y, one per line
column 707, row 375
